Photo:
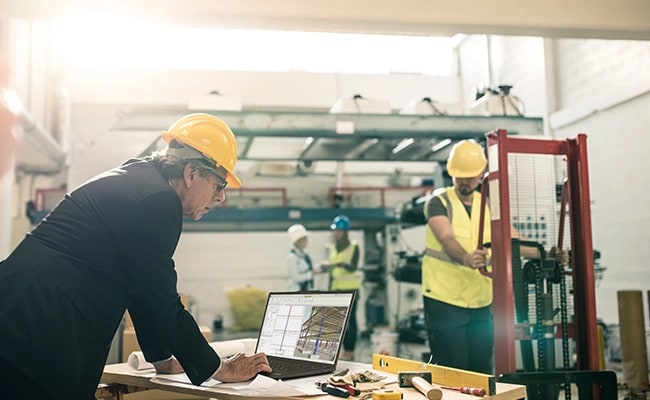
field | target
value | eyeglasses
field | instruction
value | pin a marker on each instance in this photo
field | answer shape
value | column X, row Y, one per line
column 221, row 184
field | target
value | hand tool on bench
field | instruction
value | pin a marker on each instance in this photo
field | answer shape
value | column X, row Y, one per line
column 480, row 392
column 421, row 380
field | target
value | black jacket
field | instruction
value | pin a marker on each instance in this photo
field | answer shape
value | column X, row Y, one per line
column 107, row 246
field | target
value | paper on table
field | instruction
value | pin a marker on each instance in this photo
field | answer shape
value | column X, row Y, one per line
column 182, row 378
column 224, row 348
column 261, row 386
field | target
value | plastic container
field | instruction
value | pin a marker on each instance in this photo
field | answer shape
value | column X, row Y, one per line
column 384, row 342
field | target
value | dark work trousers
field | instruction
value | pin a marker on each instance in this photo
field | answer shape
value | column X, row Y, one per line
column 350, row 338
column 14, row 385
column 460, row 337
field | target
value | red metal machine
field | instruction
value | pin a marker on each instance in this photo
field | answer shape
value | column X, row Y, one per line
column 574, row 153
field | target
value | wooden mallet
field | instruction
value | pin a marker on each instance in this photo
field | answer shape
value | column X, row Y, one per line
column 421, row 380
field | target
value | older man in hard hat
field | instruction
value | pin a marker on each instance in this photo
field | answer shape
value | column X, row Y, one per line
column 299, row 265
column 457, row 296
column 108, row 247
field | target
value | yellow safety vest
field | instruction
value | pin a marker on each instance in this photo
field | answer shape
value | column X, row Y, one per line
column 442, row 278
column 341, row 278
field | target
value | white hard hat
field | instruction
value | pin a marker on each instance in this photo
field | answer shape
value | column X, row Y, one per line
column 296, row 232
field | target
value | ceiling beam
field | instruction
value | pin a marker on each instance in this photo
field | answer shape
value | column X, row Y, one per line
column 315, row 124
column 602, row 19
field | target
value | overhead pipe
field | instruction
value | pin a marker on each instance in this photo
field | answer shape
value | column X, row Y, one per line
column 34, row 133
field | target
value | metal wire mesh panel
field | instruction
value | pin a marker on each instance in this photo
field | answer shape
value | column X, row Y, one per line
column 535, row 205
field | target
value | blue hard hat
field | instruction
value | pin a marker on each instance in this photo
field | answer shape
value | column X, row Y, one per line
column 340, row 222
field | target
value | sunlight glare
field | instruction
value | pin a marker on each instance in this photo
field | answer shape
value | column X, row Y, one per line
column 110, row 41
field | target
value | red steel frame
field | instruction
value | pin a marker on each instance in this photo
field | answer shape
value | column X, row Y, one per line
column 575, row 150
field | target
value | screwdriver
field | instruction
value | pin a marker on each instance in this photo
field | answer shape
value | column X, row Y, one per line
column 333, row 390
column 480, row 392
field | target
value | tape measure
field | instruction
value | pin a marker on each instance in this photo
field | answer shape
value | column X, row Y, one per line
column 386, row 394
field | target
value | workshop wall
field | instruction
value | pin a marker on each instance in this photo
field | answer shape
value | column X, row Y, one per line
column 521, row 62
column 490, row 61
column 604, row 87
column 600, row 88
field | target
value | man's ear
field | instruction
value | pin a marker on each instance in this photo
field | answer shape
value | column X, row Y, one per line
column 188, row 175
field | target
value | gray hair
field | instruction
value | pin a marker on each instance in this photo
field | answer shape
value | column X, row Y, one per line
column 172, row 167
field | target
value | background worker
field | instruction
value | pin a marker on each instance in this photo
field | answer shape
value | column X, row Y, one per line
column 457, row 297
column 108, row 247
column 299, row 266
column 342, row 267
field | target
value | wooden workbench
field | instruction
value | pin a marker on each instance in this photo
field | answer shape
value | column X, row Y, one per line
column 120, row 379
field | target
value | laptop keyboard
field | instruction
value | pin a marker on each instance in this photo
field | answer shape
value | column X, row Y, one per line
column 286, row 367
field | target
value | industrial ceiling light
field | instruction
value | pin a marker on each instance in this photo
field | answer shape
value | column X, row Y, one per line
column 402, row 145
column 440, row 145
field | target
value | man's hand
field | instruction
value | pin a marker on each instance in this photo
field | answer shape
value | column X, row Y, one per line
column 325, row 266
column 477, row 259
column 171, row 366
column 242, row 367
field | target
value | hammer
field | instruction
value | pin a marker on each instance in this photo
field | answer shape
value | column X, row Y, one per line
column 421, row 380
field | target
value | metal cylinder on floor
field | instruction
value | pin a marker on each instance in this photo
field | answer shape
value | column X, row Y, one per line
column 633, row 341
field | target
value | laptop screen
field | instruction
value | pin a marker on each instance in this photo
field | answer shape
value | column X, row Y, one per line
column 305, row 325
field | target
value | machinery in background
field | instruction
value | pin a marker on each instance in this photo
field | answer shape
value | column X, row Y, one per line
column 499, row 101
column 509, row 158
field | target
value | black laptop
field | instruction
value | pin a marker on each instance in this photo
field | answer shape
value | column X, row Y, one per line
column 302, row 332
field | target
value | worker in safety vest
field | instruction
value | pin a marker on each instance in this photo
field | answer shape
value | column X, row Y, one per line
column 457, row 296
column 342, row 268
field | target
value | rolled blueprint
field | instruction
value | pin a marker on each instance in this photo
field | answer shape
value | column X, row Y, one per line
column 225, row 348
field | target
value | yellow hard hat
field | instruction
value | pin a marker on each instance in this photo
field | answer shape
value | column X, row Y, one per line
column 211, row 137
column 466, row 160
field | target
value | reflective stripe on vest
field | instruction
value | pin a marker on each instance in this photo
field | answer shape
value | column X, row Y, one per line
column 441, row 255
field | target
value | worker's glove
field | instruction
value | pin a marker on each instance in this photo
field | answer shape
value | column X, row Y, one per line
column 365, row 380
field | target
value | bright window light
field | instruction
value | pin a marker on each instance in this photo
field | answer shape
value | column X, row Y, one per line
column 101, row 41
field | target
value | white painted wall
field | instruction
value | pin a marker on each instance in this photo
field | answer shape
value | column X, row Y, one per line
column 601, row 88
column 604, row 90
column 257, row 89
